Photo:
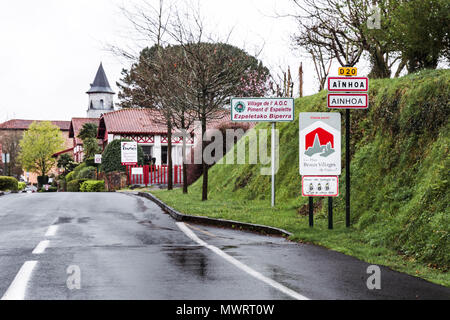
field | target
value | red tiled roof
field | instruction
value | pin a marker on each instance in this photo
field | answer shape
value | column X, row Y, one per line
column 75, row 126
column 143, row 121
column 19, row 124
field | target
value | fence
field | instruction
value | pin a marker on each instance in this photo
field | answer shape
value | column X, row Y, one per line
column 152, row 174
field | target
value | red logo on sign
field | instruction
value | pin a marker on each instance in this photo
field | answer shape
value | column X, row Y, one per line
column 323, row 135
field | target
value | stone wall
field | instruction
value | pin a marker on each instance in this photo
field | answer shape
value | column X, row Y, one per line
column 114, row 180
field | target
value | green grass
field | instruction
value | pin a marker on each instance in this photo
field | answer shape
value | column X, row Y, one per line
column 400, row 173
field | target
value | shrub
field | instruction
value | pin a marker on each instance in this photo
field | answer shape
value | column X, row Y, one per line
column 87, row 173
column 70, row 176
column 93, row 186
column 111, row 160
column 21, row 186
column 8, row 183
column 74, row 185
column 76, row 171
column 62, row 184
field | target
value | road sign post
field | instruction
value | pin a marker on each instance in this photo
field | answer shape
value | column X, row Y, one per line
column 320, row 157
column 272, row 151
column 264, row 110
column 343, row 96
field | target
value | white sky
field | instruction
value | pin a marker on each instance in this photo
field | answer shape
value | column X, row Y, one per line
column 51, row 49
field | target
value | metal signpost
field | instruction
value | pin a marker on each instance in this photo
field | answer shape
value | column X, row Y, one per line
column 320, row 158
column 343, row 96
column 264, row 110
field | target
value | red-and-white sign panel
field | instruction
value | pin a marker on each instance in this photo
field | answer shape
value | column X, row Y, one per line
column 348, row 84
column 320, row 186
column 348, row 101
column 320, row 143
column 129, row 153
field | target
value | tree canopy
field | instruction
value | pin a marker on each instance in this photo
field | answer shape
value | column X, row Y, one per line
column 38, row 145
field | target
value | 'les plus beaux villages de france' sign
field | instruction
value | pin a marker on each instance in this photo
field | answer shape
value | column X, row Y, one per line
column 320, row 143
column 262, row 109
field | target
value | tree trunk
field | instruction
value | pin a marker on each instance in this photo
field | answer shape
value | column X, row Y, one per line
column 204, row 165
column 169, row 156
column 185, row 185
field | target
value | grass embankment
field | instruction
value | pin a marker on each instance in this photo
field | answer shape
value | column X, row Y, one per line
column 400, row 181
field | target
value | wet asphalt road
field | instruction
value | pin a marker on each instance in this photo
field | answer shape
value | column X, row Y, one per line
column 126, row 247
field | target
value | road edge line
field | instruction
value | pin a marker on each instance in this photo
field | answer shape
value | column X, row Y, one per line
column 188, row 232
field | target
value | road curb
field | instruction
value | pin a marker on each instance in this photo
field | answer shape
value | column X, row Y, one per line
column 215, row 222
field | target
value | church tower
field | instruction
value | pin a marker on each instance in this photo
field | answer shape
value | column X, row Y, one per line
column 100, row 95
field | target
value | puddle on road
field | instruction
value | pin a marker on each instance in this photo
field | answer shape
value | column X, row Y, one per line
column 62, row 220
column 151, row 225
column 84, row 220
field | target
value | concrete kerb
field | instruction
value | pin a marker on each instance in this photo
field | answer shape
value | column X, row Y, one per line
column 215, row 222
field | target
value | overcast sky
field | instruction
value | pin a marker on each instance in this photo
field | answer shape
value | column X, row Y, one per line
column 51, row 49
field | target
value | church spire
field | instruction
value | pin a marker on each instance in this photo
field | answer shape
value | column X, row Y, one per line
column 100, row 84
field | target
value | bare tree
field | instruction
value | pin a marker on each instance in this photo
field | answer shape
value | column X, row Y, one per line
column 217, row 72
column 339, row 27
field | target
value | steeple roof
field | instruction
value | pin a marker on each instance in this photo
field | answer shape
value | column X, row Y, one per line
column 101, row 84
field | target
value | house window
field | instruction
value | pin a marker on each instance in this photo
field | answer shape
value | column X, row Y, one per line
column 101, row 104
column 164, row 155
column 148, row 154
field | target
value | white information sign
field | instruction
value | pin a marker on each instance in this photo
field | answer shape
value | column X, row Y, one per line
column 98, row 158
column 137, row 170
column 262, row 109
column 320, row 186
column 129, row 153
column 348, row 100
column 320, row 143
column 348, row 84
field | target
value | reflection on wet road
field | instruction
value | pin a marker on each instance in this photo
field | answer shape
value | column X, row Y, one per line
column 127, row 248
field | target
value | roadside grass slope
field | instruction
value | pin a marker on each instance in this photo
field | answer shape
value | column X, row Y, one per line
column 400, row 176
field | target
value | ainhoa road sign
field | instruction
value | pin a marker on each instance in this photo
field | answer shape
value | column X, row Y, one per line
column 348, row 84
column 320, row 143
column 348, row 101
column 262, row 109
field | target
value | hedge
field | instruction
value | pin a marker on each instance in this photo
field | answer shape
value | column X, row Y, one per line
column 93, row 186
column 70, row 176
column 74, row 185
column 22, row 186
column 87, row 173
column 8, row 183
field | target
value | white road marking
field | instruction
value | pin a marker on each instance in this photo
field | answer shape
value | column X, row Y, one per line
column 51, row 230
column 41, row 247
column 18, row 287
column 240, row 265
